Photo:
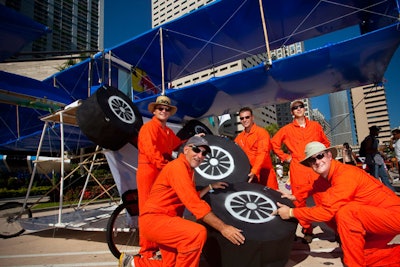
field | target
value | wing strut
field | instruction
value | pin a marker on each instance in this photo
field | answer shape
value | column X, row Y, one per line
column 162, row 63
column 269, row 58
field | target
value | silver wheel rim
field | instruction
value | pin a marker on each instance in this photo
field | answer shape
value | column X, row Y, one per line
column 249, row 206
column 217, row 165
column 121, row 109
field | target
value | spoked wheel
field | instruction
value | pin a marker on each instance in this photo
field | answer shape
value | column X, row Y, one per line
column 227, row 162
column 249, row 207
column 109, row 118
column 10, row 214
column 191, row 128
column 122, row 230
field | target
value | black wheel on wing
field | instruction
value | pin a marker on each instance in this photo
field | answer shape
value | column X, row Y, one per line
column 249, row 207
column 122, row 229
column 109, row 118
column 10, row 215
column 227, row 162
column 191, row 128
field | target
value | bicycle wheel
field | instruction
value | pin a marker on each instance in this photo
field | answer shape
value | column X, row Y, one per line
column 122, row 230
column 10, row 213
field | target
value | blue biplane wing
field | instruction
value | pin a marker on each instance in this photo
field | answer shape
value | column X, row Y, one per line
column 222, row 32
column 229, row 30
column 16, row 31
column 359, row 61
column 23, row 101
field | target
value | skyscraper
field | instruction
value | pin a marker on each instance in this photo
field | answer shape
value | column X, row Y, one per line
column 167, row 10
column 77, row 26
column 370, row 108
column 340, row 118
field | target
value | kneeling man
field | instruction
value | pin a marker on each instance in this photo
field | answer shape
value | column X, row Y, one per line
column 366, row 212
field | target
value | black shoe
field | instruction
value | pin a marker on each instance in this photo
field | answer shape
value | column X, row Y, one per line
column 337, row 239
column 307, row 239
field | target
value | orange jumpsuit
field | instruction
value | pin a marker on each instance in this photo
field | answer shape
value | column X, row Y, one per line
column 256, row 145
column 155, row 145
column 180, row 240
column 367, row 214
column 296, row 138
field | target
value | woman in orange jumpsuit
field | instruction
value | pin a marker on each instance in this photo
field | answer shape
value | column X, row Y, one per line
column 180, row 240
column 295, row 136
column 156, row 142
column 366, row 212
column 255, row 142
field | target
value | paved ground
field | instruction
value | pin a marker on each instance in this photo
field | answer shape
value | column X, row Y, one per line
column 62, row 248
column 70, row 248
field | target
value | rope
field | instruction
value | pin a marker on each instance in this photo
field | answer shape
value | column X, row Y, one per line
column 356, row 10
column 212, row 37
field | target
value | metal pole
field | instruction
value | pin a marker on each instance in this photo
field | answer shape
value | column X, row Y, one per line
column 35, row 166
column 162, row 62
column 62, row 168
column 88, row 176
column 109, row 68
column 269, row 58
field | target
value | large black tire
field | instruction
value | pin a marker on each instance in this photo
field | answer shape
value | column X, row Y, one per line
column 227, row 162
column 10, row 214
column 248, row 207
column 122, row 229
column 109, row 118
column 191, row 128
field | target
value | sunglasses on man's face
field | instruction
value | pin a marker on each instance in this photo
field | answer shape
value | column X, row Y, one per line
column 313, row 160
column 197, row 150
column 297, row 106
column 245, row 117
column 167, row 109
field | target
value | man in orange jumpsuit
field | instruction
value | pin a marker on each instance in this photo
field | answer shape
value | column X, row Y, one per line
column 156, row 142
column 366, row 212
column 295, row 136
column 180, row 240
column 255, row 142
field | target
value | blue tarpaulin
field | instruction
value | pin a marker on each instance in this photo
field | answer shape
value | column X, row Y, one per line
column 229, row 30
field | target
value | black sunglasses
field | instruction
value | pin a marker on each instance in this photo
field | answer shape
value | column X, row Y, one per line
column 313, row 160
column 297, row 106
column 167, row 109
column 197, row 150
column 246, row 117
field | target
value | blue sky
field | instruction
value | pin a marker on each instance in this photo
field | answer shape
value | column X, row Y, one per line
column 125, row 19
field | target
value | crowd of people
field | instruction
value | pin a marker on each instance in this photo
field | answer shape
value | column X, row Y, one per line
column 361, row 207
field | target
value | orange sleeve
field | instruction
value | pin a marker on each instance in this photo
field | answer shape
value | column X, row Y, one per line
column 256, row 144
column 156, row 144
column 263, row 145
column 362, row 188
column 175, row 189
column 276, row 142
column 296, row 138
column 185, row 188
column 147, row 145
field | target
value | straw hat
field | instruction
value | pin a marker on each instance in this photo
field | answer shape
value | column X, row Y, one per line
column 313, row 148
column 162, row 100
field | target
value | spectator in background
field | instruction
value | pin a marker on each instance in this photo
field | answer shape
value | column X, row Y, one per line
column 255, row 142
column 374, row 160
column 279, row 171
column 395, row 145
column 348, row 155
column 366, row 213
column 295, row 136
